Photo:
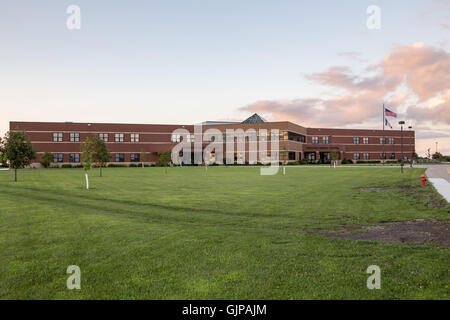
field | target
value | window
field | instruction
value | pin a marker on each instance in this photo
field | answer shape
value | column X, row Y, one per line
column 103, row 136
column 74, row 137
column 315, row 140
column 382, row 140
column 383, row 155
column 355, row 140
column 391, row 140
column 293, row 136
column 119, row 137
column 120, row 157
column 326, row 140
column 176, row 138
column 366, row 156
column 57, row 157
column 291, row 156
column 57, row 137
column 135, row 137
column 392, row 155
column 74, row 157
column 135, row 157
column 284, row 135
column 356, row 156
column 311, row 156
column 366, row 140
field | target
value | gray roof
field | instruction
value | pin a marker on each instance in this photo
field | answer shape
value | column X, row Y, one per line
column 255, row 118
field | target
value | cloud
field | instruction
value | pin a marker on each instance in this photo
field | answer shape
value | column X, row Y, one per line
column 413, row 78
column 426, row 70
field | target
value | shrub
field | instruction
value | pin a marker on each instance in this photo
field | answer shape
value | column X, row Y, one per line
column 66, row 166
column 346, row 161
column 132, row 165
column 116, row 165
column 293, row 163
column 46, row 159
column 303, row 161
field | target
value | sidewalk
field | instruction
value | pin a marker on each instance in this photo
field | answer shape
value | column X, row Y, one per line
column 439, row 176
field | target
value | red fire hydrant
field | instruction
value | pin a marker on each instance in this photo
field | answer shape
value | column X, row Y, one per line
column 424, row 180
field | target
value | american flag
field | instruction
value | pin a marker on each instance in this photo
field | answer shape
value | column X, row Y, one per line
column 390, row 113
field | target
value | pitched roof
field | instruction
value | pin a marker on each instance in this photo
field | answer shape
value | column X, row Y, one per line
column 255, row 118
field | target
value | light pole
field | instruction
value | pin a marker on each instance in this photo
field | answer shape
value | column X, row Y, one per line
column 410, row 147
column 401, row 123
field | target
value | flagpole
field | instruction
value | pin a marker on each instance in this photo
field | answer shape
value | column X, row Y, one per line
column 382, row 160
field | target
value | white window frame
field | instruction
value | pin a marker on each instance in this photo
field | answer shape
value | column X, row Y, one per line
column 103, row 136
column 74, row 137
column 58, row 137
column 118, row 137
column 134, row 137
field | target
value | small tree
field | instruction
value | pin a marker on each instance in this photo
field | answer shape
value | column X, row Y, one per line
column 143, row 157
column 334, row 155
column 164, row 159
column 87, row 150
column 2, row 156
column 46, row 159
column 18, row 150
column 100, row 154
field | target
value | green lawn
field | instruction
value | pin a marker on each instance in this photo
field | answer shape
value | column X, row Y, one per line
column 228, row 233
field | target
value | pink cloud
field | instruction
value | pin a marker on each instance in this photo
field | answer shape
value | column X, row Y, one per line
column 424, row 70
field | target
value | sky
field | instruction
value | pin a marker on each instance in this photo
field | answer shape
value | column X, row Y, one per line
column 315, row 63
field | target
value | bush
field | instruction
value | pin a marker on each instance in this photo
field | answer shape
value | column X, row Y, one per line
column 293, row 163
column 368, row 161
column 133, row 165
column 66, row 166
column 303, row 162
column 346, row 161
column 116, row 165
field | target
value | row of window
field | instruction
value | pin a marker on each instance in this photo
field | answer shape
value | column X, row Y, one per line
column 75, row 157
column 356, row 140
column 75, row 137
column 356, row 156
column 366, row 156
column 283, row 135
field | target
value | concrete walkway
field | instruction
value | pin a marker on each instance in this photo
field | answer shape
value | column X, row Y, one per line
column 439, row 176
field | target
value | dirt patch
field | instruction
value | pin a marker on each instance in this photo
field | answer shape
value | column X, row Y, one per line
column 421, row 231
column 374, row 189
column 426, row 196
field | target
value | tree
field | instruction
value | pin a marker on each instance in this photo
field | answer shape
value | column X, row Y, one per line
column 334, row 155
column 46, row 159
column 143, row 157
column 164, row 159
column 87, row 151
column 2, row 156
column 100, row 153
column 438, row 156
column 18, row 150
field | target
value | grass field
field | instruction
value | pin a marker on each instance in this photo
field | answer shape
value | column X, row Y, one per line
column 228, row 233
